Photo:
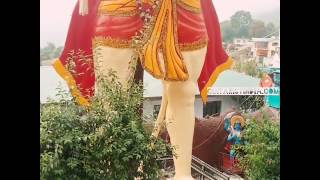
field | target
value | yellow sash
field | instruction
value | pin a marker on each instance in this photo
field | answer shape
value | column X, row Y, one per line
column 164, row 34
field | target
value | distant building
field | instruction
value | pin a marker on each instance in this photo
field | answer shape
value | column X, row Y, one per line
column 260, row 47
column 240, row 44
column 272, row 62
column 265, row 47
column 273, row 47
column 50, row 80
column 240, row 41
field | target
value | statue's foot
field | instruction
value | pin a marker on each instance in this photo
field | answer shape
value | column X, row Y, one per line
column 183, row 178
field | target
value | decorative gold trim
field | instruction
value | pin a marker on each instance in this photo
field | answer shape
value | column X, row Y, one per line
column 67, row 76
column 111, row 42
column 140, row 41
column 117, row 8
column 194, row 45
column 117, row 13
column 188, row 7
column 162, row 48
column 175, row 30
column 213, row 77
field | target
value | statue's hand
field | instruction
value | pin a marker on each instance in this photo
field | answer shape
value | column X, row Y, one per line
column 83, row 7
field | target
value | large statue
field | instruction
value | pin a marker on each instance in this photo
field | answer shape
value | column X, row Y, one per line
column 176, row 41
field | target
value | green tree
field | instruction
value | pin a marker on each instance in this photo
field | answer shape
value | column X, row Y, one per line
column 238, row 26
column 241, row 18
column 251, row 102
column 240, row 22
column 271, row 29
column 50, row 51
column 99, row 142
column 44, row 54
column 228, row 32
column 257, row 29
column 259, row 155
column 57, row 52
column 249, row 67
column 241, row 25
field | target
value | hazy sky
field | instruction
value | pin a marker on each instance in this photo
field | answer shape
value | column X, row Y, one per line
column 55, row 15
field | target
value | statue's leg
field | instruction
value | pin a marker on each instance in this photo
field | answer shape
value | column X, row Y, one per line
column 161, row 116
column 180, row 114
column 117, row 59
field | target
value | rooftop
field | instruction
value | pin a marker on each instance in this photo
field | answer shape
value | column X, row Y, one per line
column 50, row 81
column 264, row 39
column 228, row 78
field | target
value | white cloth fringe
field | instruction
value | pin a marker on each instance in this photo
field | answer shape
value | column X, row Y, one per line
column 83, row 7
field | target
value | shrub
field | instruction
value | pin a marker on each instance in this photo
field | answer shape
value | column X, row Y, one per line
column 251, row 102
column 259, row 156
column 104, row 141
column 248, row 67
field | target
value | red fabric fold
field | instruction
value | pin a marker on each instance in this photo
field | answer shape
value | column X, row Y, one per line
column 79, row 41
column 216, row 55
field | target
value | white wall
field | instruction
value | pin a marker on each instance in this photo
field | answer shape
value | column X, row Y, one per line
column 240, row 41
column 226, row 103
column 148, row 105
column 271, row 47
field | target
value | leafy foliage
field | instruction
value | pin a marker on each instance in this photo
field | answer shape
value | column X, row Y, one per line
column 242, row 25
column 50, row 52
column 258, row 29
column 240, row 22
column 227, row 31
column 104, row 141
column 259, row 156
column 249, row 67
column 251, row 102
